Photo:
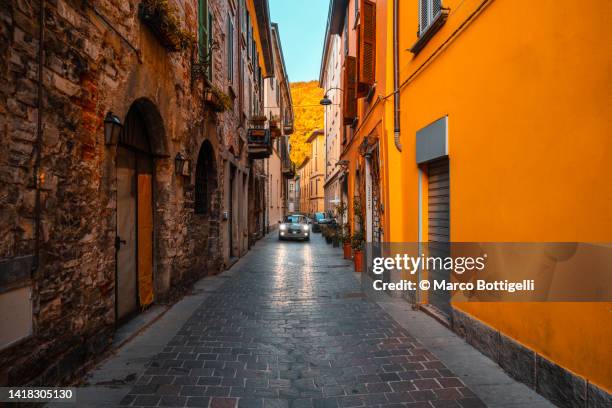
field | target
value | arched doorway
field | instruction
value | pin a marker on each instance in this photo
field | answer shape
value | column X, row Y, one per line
column 134, row 240
column 206, row 179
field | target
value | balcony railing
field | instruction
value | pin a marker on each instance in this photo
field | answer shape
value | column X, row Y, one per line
column 259, row 139
column 288, row 169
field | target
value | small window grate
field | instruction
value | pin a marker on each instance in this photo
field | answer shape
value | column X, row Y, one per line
column 428, row 11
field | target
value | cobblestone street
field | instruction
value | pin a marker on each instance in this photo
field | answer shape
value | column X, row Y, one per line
column 291, row 328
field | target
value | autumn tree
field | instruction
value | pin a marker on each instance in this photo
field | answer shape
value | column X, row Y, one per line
column 308, row 117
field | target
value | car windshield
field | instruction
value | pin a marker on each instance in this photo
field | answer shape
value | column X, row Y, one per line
column 294, row 219
column 320, row 216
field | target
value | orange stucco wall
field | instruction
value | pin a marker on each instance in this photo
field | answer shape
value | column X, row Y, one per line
column 528, row 93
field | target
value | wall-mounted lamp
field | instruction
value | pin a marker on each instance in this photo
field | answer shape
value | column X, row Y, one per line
column 181, row 165
column 326, row 101
column 112, row 129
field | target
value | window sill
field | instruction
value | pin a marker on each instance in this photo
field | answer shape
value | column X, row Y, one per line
column 430, row 31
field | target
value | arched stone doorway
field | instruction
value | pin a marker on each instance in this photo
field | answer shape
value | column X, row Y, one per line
column 204, row 228
column 205, row 179
column 135, row 228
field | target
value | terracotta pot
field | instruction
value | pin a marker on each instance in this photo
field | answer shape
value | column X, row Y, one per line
column 346, row 247
column 358, row 259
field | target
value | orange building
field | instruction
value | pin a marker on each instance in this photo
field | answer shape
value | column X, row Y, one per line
column 361, row 56
column 490, row 123
column 317, row 171
column 303, row 186
column 311, row 175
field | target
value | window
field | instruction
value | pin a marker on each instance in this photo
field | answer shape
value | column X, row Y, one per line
column 210, row 42
column 244, row 16
column 230, row 48
column 205, row 35
column 366, row 43
column 248, row 33
column 346, row 39
column 428, row 11
column 204, row 31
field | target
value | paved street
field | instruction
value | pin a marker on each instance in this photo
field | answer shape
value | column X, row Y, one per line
column 291, row 328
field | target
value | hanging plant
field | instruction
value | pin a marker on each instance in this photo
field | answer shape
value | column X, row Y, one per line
column 218, row 100
column 162, row 20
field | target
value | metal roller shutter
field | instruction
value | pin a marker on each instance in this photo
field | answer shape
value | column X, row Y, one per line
column 439, row 227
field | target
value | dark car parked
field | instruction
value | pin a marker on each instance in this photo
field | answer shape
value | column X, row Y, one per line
column 318, row 219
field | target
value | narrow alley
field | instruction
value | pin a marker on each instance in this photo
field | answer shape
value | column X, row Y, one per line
column 444, row 164
column 287, row 326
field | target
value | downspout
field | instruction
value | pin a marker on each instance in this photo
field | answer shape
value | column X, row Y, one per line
column 396, row 97
column 39, row 139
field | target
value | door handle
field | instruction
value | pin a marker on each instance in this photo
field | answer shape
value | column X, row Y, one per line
column 118, row 242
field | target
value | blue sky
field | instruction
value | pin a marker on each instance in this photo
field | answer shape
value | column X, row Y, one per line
column 301, row 24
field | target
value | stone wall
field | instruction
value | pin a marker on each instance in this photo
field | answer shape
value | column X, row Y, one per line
column 98, row 57
column 559, row 385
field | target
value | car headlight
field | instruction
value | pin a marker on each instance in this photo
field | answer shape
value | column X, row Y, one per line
column 283, row 227
column 305, row 227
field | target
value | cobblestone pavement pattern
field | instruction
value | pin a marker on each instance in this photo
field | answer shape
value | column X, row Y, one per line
column 292, row 329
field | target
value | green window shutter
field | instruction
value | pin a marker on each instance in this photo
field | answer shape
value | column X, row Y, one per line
column 202, row 29
column 230, row 48
column 209, row 44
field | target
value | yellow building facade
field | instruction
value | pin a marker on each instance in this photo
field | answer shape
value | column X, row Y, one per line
column 519, row 93
column 316, row 172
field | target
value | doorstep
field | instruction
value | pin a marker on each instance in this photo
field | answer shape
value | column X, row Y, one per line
column 137, row 324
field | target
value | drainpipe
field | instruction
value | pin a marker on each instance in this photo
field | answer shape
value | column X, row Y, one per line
column 396, row 97
column 39, row 137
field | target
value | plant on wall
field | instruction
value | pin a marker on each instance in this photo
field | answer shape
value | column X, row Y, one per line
column 162, row 19
column 218, row 100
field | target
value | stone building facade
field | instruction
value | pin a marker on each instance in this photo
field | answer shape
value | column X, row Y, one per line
column 95, row 230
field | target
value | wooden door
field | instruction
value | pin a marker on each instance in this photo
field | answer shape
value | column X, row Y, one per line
column 145, row 230
column 126, row 287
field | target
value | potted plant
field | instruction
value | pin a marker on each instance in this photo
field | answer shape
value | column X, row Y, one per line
column 346, row 242
column 357, row 246
column 335, row 237
column 345, row 235
column 325, row 231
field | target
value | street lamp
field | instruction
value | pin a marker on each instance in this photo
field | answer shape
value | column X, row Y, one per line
column 326, row 101
column 112, row 129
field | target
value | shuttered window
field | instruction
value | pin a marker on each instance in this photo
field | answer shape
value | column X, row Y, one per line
column 428, row 11
column 248, row 33
column 205, row 36
column 203, row 29
column 350, row 89
column 346, row 37
column 367, row 43
column 230, row 48
column 210, row 42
